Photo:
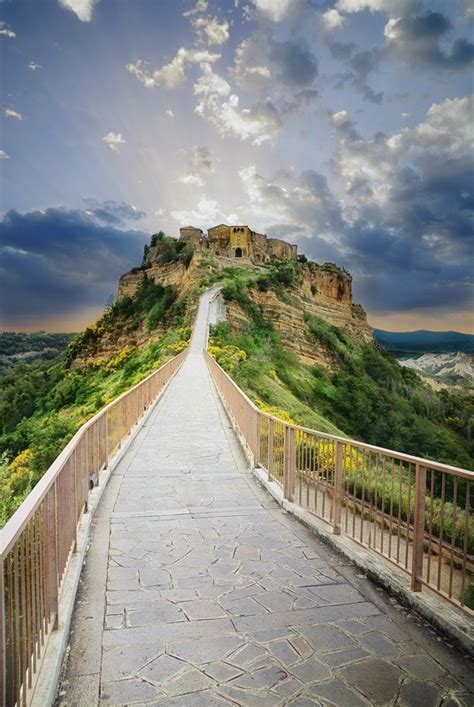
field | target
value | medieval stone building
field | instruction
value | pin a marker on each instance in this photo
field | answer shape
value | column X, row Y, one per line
column 239, row 242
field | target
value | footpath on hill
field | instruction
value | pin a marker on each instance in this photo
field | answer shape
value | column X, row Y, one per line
column 199, row 590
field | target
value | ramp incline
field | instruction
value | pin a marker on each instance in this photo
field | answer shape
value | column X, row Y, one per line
column 199, row 590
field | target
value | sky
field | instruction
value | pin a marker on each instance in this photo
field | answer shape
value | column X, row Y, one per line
column 344, row 126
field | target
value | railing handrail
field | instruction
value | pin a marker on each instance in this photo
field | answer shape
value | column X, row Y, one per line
column 436, row 466
column 23, row 513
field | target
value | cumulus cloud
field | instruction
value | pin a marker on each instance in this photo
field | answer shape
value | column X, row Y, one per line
column 207, row 211
column 211, row 31
column 332, row 19
column 172, row 74
column 114, row 141
column 420, row 38
column 4, row 155
column 201, row 6
column 258, row 124
column 10, row 112
column 276, row 10
column 81, row 8
column 417, row 35
column 285, row 66
column 33, row 66
column 5, row 31
column 60, row 262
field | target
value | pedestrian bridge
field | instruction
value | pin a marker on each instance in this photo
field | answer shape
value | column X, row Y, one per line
column 200, row 585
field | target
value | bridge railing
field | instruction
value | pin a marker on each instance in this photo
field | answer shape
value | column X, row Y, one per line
column 414, row 512
column 38, row 540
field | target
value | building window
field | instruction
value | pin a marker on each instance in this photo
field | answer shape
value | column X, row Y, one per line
column 238, row 252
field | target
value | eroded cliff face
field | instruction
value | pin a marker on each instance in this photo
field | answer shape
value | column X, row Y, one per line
column 288, row 319
column 323, row 291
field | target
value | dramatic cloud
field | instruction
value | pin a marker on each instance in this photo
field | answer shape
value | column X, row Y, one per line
column 406, row 217
column 173, row 74
column 211, row 31
column 58, row 262
column 114, row 213
column 113, row 141
column 3, row 155
column 420, row 37
column 10, row 112
column 81, row 8
column 5, row 31
column 416, row 35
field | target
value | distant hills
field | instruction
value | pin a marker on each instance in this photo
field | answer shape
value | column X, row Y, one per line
column 423, row 341
column 22, row 346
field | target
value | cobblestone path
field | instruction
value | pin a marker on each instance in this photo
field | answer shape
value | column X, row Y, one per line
column 199, row 590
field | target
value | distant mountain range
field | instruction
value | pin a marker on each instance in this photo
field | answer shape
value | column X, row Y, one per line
column 423, row 341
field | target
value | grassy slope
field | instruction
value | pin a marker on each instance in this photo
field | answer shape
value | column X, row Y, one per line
column 43, row 404
column 370, row 397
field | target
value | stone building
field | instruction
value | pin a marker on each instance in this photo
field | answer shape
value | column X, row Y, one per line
column 239, row 242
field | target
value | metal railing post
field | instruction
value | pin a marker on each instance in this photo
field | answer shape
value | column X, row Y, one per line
column 106, row 443
column 270, row 448
column 51, row 548
column 289, row 470
column 337, row 495
column 418, row 528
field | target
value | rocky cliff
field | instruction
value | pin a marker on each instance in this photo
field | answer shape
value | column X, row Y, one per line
column 323, row 291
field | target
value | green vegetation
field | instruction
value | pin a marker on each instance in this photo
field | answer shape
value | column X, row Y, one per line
column 169, row 250
column 16, row 347
column 42, row 404
column 369, row 396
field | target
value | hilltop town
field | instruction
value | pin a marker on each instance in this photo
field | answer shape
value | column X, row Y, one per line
column 239, row 242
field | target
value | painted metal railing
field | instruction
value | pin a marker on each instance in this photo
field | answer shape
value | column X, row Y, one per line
column 412, row 511
column 39, row 539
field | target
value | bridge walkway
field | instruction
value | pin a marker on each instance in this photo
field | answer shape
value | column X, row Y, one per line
column 199, row 590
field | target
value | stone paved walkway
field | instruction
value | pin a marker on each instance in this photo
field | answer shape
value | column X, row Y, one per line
column 199, row 590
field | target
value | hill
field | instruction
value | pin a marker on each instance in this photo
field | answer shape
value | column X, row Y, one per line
column 423, row 341
column 23, row 346
column 289, row 334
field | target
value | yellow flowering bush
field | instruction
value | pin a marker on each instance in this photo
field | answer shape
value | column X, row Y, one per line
column 229, row 357
column 176, row 347
column 20, row 469
column 117, row 360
